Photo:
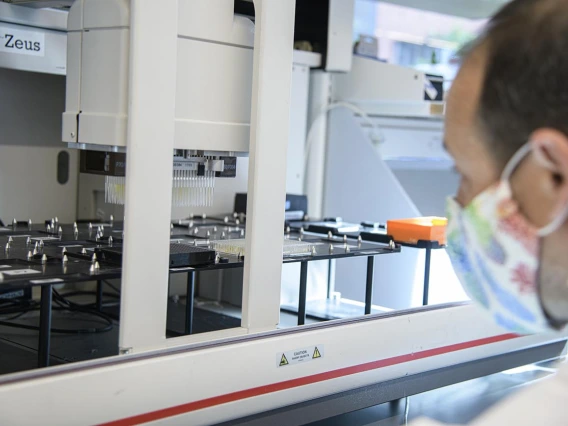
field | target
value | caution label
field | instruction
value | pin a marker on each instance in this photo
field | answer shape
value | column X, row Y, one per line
column 317, row 353
column 284, row 359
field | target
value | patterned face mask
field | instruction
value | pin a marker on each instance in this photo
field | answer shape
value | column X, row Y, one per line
column 495, row 253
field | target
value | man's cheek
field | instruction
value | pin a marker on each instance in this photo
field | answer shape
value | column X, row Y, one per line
column 533, row 189
column 463, row 196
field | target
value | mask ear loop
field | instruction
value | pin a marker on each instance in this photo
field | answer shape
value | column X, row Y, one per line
column 506, row 175
column 555, row 224
column 515, row 161
column 560, row 218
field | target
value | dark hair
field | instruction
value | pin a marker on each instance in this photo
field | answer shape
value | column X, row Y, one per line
column 526, row 77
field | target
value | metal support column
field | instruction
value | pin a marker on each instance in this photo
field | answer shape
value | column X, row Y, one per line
column 303, row 293
column 44, row 326
column 269, row 130
column 427, row 276
column 151, row 118
column 369, row 287
column 189, row 302
column 99, row 301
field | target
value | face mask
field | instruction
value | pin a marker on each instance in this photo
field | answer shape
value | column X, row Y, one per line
column 495, row 253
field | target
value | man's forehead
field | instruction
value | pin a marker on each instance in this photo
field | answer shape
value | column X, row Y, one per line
column 464, row 96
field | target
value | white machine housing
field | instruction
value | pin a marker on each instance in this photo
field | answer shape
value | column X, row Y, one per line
column 380, row 88
column 214, row 75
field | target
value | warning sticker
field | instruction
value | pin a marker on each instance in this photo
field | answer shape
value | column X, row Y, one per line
column 298, row 356
column 317, row 353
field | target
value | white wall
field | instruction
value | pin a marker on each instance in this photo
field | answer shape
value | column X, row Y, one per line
column 31, row 105
column 429, row 189
column 361, row 186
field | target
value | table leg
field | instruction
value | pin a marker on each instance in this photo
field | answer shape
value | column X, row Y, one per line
column 45, row 326
column 303, row 293
column 99, row 301
column 369, row 287
column 189, row 302
column 426, row 277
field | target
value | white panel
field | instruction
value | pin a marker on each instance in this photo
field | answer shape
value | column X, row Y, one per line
column 73, row 82
column 340, row 35
column 412, row 143
column 308, row 59
column 214, row 20
column 298, row 123
column 73, row 87
column 214, row 82
column 99, row 128
column 320, row 83
column 106, row 13
column 69, row 127
column 75, row 18
column 191, row 134
column 371, row 80
column 104, row 87
column 429, row 189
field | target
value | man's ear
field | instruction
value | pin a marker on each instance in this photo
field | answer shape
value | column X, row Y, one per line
column 550, row 151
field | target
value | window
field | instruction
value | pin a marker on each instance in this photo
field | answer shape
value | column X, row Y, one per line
column 427, row 41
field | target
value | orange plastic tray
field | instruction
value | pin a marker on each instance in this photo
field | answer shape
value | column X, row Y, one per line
column 410, row 231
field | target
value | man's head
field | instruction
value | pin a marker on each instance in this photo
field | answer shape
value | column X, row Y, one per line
column 512, row 89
